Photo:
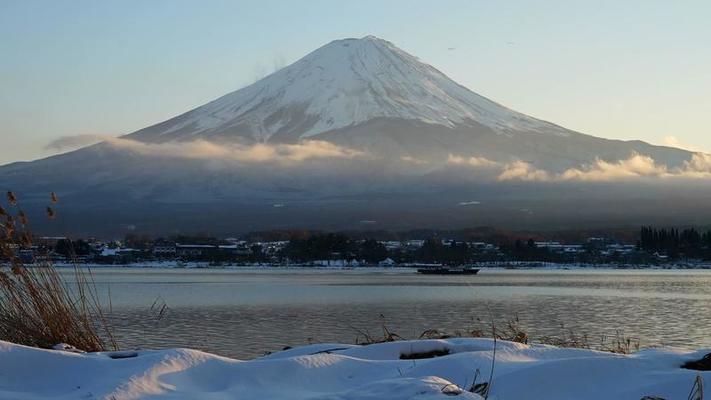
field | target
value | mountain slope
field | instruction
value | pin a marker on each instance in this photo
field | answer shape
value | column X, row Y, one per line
column 368, row 94
column 402, row 118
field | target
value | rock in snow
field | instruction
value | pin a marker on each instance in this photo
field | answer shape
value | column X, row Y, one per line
column 347, row 372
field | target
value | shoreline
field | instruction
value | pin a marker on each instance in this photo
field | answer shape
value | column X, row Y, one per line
column 173, row 265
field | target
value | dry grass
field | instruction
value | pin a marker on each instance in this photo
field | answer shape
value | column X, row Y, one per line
column 365, row 338
column 567, row 338
column 512, row 330
column 38, row 307
column 618, row 343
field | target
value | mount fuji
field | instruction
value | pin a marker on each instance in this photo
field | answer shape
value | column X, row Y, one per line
column 358, row 134
column 344, row 83
column 368, row 94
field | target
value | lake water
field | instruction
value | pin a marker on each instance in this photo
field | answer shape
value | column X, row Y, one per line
column 244, row 313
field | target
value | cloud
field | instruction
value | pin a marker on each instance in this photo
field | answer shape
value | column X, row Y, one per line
column 641, row 166
column 75, row 141
column 413, row 160
column 699, row 167
column 673, row 141
column 523, row 171
column 637, row 166
column 700, row 162
column 473, row 161
column 469, row 203
column 256, row 153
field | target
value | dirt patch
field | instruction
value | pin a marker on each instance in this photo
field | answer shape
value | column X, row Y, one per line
column 704, row 364
column 424, row 354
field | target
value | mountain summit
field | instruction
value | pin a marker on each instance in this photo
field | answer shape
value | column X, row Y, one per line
column 342, row 84
column 370, row 95
column 357, row 130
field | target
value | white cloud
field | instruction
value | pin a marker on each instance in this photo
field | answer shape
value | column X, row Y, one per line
column 480, row 162
column 640, row 166
column 469, row 203
column 523, row 171
column 75, row 141
column 637, row 166
column 700, row 162
column 699, row 167
column 673, row 141
column 257, row 153
column 413, row 160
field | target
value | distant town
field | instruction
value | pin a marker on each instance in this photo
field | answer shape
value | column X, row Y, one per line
column 652, row 247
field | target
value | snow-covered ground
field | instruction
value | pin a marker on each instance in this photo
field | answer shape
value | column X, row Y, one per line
column 336, row 371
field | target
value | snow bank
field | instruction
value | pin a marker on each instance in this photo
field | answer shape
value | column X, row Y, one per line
column 347, row 372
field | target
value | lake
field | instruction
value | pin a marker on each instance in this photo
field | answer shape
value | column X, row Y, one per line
column 243, row 313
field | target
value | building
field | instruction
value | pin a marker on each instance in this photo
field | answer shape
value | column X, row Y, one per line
column 483, row 246
column 557, row 247
column 620, row 249
column 194, row 250
column 49, row 241
column 272, row 248
column 164, row 249
column 236, row 249
column 392, row 245
column 414, row 244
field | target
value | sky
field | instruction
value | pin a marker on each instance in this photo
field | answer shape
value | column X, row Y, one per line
column 638, row 69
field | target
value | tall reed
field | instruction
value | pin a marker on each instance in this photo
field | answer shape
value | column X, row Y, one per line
column 38, row 306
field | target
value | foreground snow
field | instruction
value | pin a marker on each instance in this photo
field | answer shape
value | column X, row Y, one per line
column 335, row 371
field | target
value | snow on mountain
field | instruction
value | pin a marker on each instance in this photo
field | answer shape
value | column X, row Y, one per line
column 342, row 84
column 407, row 122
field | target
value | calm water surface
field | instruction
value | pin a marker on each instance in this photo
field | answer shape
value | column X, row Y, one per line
column 244, row 313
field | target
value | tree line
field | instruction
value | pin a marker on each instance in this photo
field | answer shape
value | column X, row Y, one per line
column 334, row 246
column 674, row 242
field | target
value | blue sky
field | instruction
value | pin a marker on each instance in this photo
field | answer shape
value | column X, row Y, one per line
column 628, row 70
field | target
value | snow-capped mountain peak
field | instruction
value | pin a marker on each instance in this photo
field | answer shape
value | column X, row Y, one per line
column 342, row 84
column 425, row 145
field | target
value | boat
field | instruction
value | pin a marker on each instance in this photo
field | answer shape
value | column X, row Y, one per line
column 443, row 270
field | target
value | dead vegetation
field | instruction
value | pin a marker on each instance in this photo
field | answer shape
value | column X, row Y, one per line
column 365, row 338
column 38, row 306
column 511, row 330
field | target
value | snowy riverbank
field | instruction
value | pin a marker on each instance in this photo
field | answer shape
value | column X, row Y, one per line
column 336, row 371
